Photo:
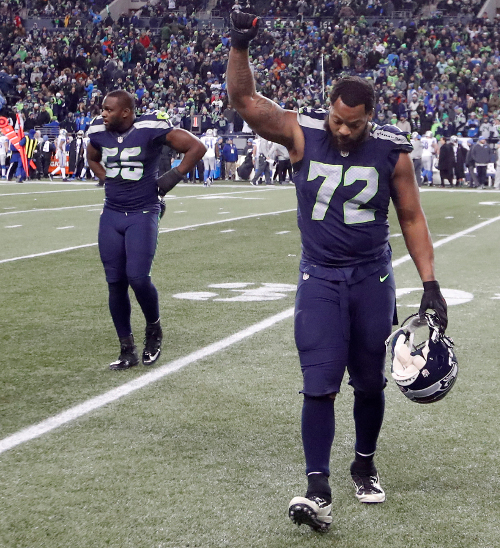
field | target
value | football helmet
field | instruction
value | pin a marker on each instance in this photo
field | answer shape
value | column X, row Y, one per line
column 424, row 372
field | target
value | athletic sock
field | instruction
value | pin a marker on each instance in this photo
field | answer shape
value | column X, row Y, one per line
column 318, row 431
column 368, row 417
column 119, row 306
column 318, row 486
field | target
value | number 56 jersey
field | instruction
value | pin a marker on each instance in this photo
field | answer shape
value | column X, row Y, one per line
column 343, row 198
column 131, row 160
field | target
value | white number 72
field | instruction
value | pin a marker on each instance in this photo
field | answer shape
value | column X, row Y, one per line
column 333, row 176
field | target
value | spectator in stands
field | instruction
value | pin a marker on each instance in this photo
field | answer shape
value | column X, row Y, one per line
column 403, row 124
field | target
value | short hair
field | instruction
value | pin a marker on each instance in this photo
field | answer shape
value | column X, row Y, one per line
column 125, row 99
column 354, row 91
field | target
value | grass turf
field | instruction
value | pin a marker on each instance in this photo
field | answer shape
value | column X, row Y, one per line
column 209, row 456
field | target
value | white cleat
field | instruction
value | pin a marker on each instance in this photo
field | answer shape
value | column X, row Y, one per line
column 315, row 512
column 368, row 488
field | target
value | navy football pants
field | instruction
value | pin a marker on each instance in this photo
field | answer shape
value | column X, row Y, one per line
column 127, row 245
column 338, row 328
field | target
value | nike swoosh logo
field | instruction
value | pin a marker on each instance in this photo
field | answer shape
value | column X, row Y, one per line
column 383, row 278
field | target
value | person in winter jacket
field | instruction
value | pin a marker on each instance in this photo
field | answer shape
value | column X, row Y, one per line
column 230, row 157
column 482, row 155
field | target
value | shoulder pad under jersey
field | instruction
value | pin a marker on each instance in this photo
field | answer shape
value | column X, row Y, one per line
column 156, row 119
column 96, row 125
column 161, row 115
column 312, row 117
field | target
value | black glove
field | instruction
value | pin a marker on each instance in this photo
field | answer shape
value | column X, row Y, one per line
column 163, row 207
column 244, row 28
column 433, row 299
column 168, row 180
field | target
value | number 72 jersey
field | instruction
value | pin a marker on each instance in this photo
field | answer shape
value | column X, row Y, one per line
column 131, row 160
column 343, row 201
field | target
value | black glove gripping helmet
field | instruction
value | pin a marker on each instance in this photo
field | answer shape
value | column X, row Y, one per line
column 425, row 372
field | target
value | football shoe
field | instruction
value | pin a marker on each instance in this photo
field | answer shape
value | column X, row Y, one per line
column 128, row 355
column 313, row 511
column 367, row 484
column 152, row 343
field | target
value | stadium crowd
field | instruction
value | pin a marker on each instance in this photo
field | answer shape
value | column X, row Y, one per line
column 439, row 73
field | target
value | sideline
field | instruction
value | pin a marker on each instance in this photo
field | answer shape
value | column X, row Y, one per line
column 86, row 407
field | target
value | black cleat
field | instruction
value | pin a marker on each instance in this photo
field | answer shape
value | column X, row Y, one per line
column 128, row 355
column 313, row 511
column 152, row 343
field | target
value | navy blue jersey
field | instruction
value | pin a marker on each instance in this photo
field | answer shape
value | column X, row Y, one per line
column 343, row 200
column 131, row 160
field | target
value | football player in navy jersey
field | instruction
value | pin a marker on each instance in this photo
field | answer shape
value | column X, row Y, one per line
column 124, row 152
column 346, row 169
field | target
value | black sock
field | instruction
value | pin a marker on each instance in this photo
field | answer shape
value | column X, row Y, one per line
column 363, row 464
column 318, row 486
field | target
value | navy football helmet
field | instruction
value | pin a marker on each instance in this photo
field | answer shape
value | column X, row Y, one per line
column 427, row 371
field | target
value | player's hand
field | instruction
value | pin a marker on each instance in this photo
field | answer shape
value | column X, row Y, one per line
column 163, row 208
column 433, row 299
column 244, row 28
column 168, row 180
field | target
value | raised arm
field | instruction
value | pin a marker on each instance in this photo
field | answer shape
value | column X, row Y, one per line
column 264, row 116
column 406, row 199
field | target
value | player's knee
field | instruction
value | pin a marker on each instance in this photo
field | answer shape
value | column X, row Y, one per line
column 370, row 392
column 330, row 396
column 118, row 288
column 140, row 284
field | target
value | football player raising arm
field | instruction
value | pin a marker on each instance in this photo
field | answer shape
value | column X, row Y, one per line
column 346, row 169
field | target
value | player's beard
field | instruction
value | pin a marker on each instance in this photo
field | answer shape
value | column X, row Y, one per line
column 346, row 144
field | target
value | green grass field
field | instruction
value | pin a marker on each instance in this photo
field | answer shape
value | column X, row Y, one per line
column 203, row 450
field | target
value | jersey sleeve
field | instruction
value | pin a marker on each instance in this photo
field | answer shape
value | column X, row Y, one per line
column 157, row 123
column 95, row 129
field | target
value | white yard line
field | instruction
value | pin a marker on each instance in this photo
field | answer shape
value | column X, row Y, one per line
column 162, row 231
column 86, row 407
column 45, row 209
column 28, row 193
column 168, row 198
column 448, row 239
column 204, row 194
